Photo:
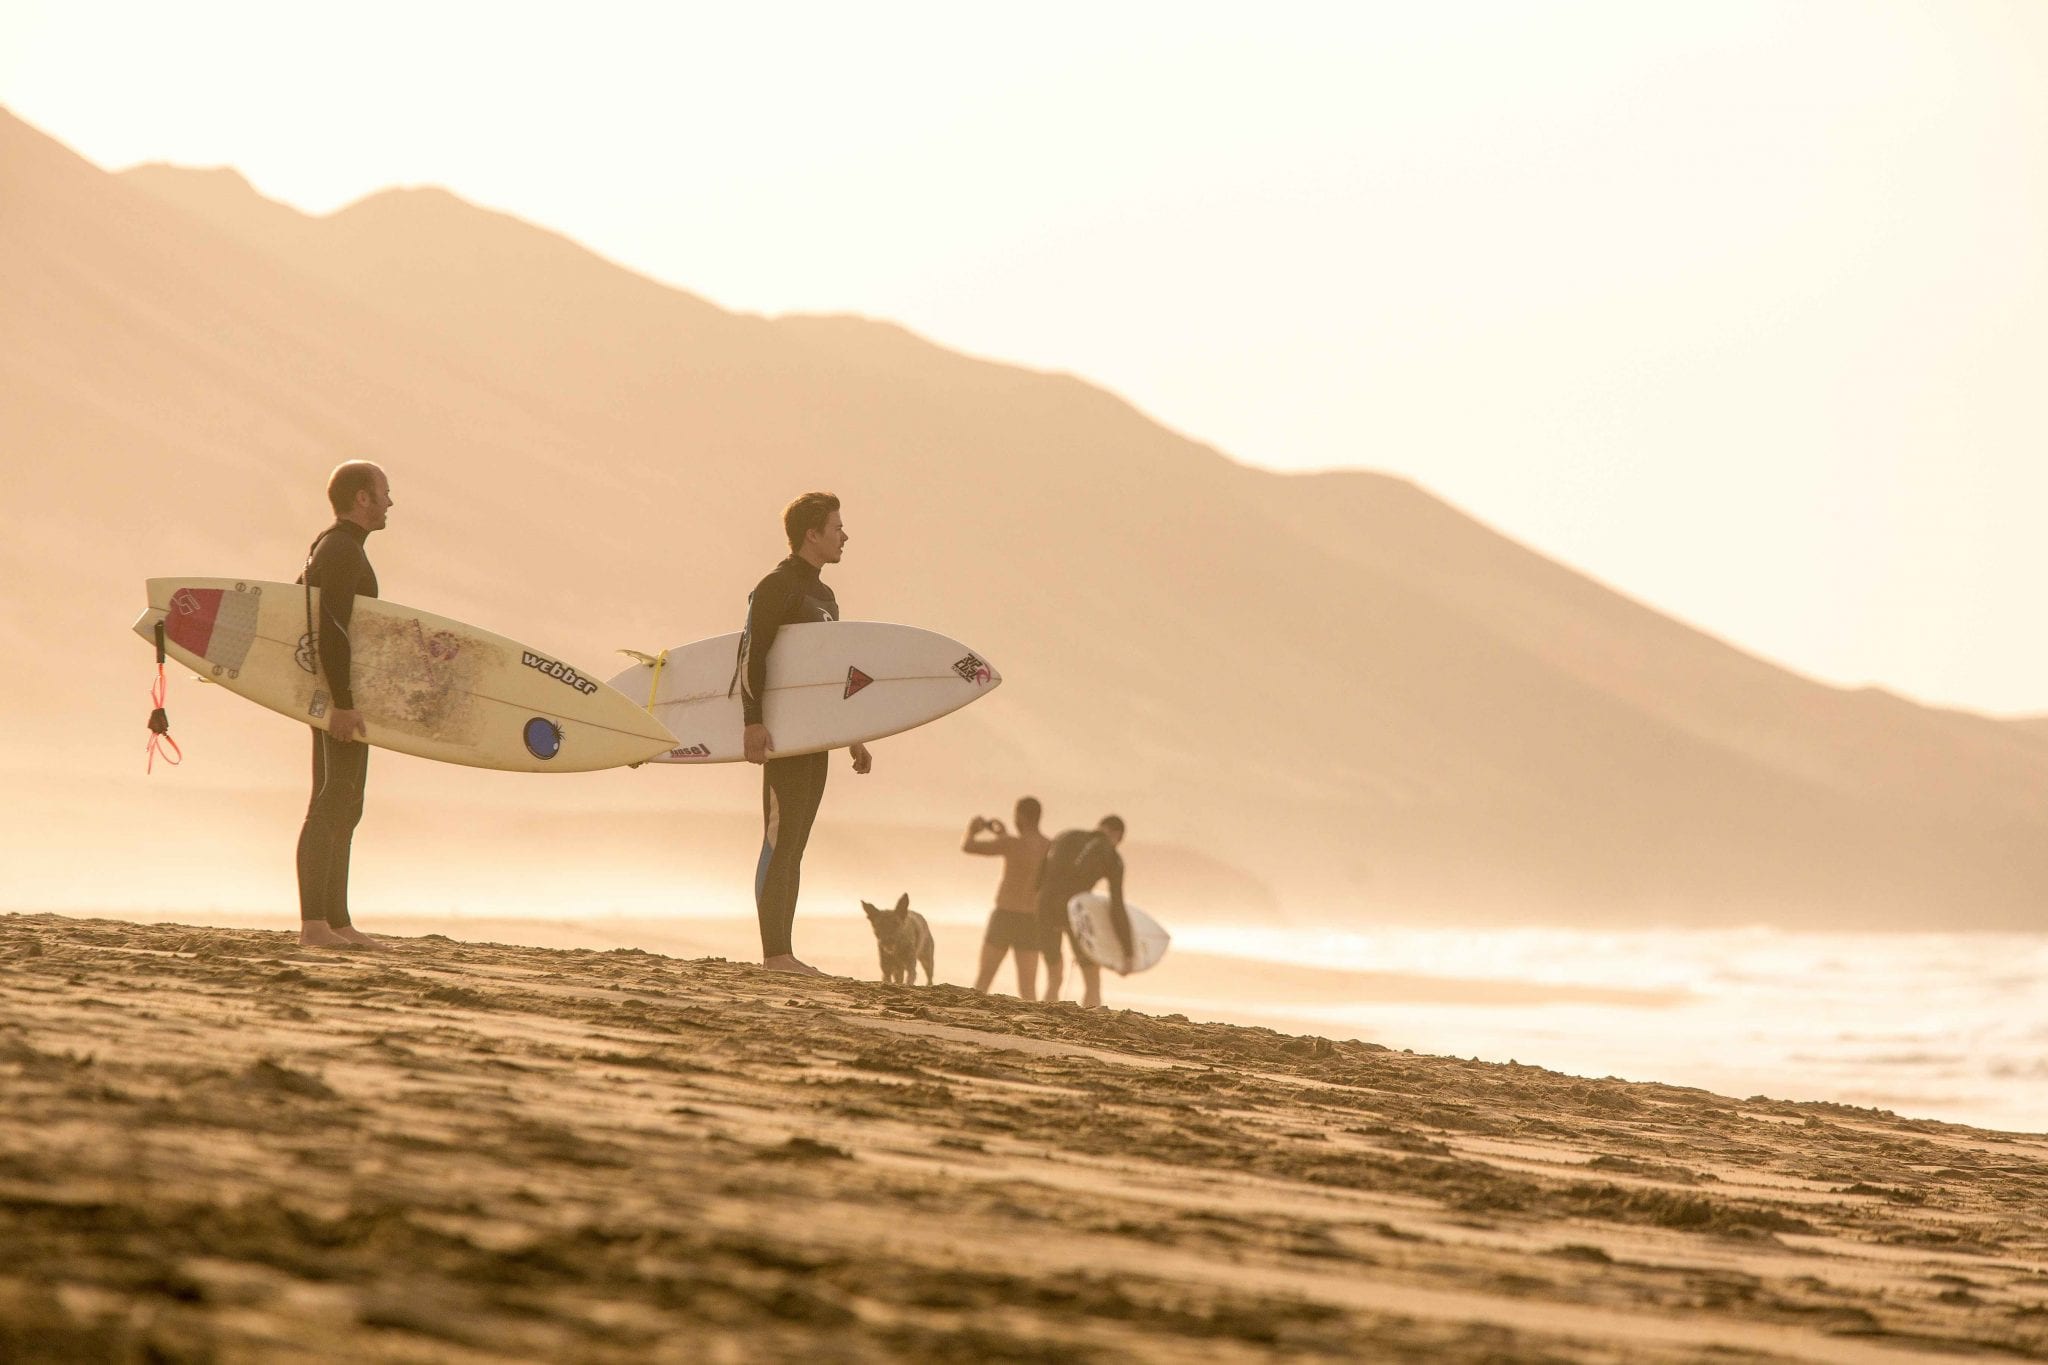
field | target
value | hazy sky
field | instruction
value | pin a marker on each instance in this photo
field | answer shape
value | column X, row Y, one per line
column 1742, row 308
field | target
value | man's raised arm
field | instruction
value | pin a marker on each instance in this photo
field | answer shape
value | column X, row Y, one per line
column 995, row 842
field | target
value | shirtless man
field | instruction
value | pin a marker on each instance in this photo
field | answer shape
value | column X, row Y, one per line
column 1013, row 924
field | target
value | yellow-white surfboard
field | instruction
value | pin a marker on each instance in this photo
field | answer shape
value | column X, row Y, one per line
column 425, row 684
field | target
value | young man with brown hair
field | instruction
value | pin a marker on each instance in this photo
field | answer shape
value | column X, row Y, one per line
column 360, row 495
column 793, row 593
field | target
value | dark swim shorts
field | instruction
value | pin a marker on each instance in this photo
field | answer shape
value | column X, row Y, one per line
column 1009, row 929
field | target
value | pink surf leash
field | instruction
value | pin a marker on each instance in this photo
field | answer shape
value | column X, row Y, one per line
column 161, row 745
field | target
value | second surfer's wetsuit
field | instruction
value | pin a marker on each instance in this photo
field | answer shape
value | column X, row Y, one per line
column 1077, row 860
column 791, row 788
column 339, row 567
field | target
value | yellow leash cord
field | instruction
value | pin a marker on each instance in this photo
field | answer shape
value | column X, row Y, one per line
column 654, row 682
column 655, row 661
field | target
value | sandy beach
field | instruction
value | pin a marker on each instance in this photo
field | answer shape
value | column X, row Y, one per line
column 216, row 1146
column 1511, row 519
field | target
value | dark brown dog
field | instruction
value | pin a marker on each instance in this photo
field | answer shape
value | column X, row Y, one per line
column 904, row 940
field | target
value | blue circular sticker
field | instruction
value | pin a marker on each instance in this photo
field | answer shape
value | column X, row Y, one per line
column 543, row 737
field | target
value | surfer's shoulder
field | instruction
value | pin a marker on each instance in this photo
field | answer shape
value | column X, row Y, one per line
column 335, row 552
column 783, row 578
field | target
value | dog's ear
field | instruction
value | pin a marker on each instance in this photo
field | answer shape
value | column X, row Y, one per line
column 872, row 911
column 903, row 902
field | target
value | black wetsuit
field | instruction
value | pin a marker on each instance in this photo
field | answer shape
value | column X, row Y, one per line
column 1077, row 860
column 791, row 788
column 341, row 570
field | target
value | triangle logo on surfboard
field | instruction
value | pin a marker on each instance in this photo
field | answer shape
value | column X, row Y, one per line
column 855, row 681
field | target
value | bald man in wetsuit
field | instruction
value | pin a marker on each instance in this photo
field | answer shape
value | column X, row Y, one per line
column 336, row 564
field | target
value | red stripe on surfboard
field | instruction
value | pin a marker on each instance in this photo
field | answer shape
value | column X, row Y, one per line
column 189, row 623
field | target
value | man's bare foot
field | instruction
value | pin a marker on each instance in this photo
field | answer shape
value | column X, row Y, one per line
column 361, row 939
column 314, row 933
column 786, row 962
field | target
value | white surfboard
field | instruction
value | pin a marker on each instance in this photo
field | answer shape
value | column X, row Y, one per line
column 426, row 685
column 1095, row 934
column 830, row 684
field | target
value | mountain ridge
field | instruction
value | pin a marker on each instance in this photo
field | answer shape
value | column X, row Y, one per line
column 1370, row 699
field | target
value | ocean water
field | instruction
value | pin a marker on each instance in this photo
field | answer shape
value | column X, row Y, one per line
column 1944, row 1026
